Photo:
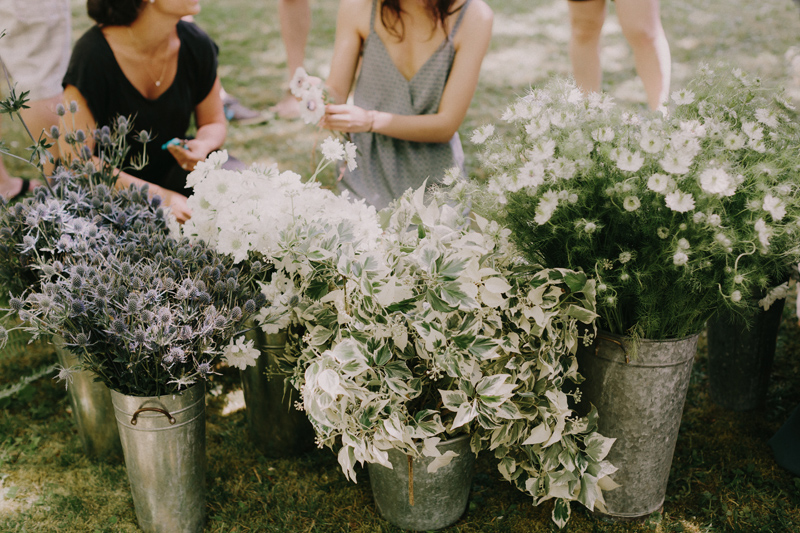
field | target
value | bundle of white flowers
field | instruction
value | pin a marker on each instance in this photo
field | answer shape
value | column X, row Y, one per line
column 676, row 215
column 256, row 215
column 244, row 212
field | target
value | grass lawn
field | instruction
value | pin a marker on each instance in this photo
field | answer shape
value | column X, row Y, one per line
column 723, row 476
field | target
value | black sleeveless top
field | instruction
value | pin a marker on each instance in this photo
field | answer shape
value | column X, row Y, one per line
column 94, row 71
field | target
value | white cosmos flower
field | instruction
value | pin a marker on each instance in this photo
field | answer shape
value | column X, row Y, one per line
column 631, row 203
column 767, row 117
column 562, row 168
column 299, row 82
column 312, row 104
column 717, row 181
column 676, row 162
column 531, row 174
column 679, row 201
column 651, row 142
column 629, row 161
column 603, row 135
column 775, row 207
column 734, row 141
column 757, row 145
column 547, row 205
column 693, row 127
column 753, row 131
column 685, row 143
column 683, row 97
column 659, row 182
column 764, row 233
column 350, row 155
column 480, row 135
column 542, row 151
column 537, row 126
column 332, row 149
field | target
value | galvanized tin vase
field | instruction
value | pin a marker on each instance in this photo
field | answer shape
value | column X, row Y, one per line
column 276, row 427
column 640, row 402
column 91, row 407
column 411, row 498
column 740, row 359
column 164, row 443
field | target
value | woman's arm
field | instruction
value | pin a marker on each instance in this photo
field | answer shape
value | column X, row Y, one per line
column 471, row 42
column 211, row 130
column 352, row 27
column 83, row 119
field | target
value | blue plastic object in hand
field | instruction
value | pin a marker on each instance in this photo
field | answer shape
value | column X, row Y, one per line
column 172, row 142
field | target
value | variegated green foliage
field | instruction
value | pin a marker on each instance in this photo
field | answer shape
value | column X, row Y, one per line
column 435, row 331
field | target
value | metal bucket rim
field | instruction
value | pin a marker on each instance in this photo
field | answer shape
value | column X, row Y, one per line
column 635, row 362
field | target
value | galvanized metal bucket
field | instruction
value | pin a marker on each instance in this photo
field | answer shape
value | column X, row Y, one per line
column 640, row 403
column 91, row 407
column 164, row 442
column 740, row 359
column 276, row 427
column 411, row 498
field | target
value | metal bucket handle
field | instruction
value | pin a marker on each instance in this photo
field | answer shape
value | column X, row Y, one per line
column 156, row 409
column 602, row 337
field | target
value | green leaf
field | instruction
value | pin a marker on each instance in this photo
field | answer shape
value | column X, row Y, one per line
column 317, row 289
column 582, row 314
column 575, row 281
column 483, row 347
column 453, row 295
column 437, row 303
column 453, row 399
column 561, row 513
column 452, row 269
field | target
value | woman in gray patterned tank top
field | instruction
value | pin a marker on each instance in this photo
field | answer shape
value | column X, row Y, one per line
column 419, row 66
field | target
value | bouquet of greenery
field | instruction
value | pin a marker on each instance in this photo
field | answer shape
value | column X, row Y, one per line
column 435, row 330
column 674, row 215
column 149, row 317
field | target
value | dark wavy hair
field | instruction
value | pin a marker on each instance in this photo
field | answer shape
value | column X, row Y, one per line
column 391, row 19
column 114, row 12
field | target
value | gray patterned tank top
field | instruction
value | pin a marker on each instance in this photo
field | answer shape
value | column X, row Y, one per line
column 387, row 167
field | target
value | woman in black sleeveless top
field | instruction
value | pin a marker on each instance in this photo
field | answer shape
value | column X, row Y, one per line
column 142, row 61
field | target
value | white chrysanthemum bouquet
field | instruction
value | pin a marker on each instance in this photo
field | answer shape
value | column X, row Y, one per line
column 675, row 215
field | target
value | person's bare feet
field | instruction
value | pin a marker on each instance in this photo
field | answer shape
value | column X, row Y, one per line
column 287, row 108
column 12, row 188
